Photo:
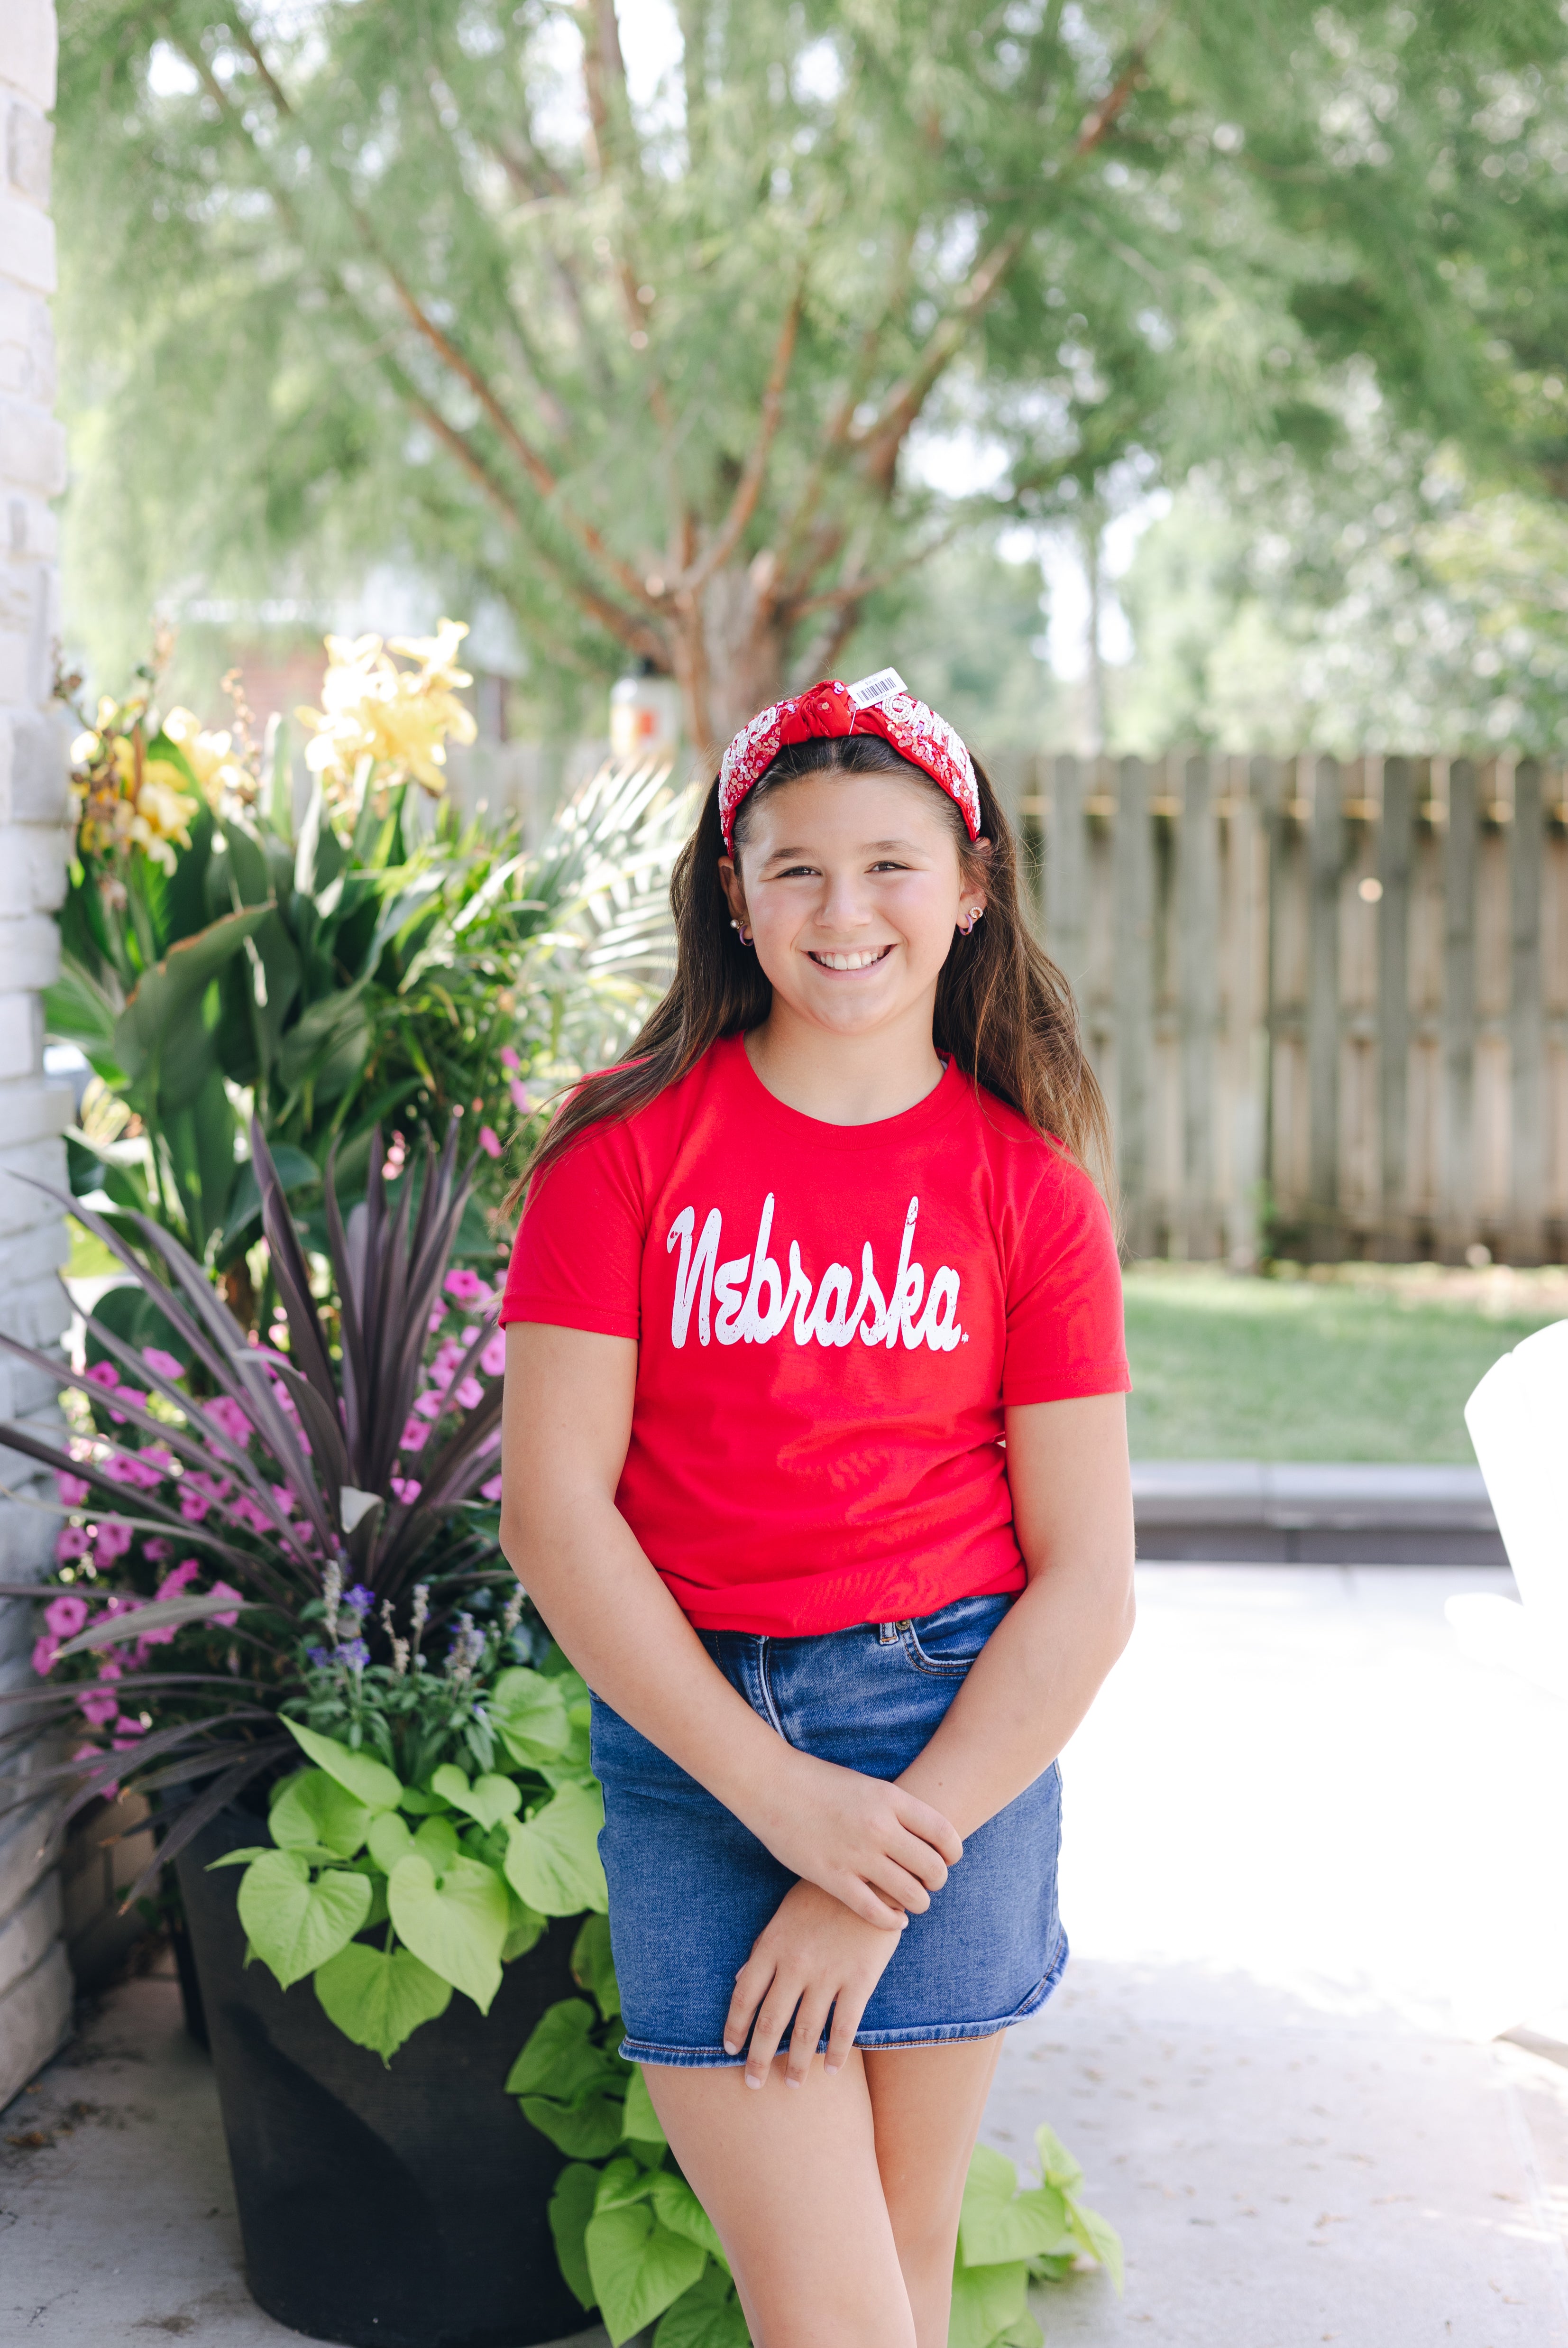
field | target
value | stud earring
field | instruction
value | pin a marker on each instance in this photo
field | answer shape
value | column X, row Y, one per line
column 744, row 935
column 974, row 917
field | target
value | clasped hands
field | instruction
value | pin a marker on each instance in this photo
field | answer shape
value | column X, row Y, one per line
column 869, row 1854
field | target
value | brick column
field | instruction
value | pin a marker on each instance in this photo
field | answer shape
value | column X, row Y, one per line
column 35, row 1981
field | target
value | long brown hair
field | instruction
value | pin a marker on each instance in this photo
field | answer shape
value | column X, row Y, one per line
column 1004, row 1011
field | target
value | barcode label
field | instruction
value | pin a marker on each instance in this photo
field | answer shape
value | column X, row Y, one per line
column 881, row 686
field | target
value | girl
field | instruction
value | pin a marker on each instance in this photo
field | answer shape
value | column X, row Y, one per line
column 815, row 1466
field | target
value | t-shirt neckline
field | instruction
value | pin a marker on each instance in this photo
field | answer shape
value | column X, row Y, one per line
column 909, row 1123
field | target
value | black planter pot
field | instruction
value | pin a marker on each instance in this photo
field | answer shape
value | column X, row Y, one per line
column 398, row 2208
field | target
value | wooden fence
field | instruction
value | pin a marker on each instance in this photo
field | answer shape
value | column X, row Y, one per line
column 1328, row 1001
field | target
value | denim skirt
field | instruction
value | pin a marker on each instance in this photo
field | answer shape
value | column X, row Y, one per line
column 690, row 1888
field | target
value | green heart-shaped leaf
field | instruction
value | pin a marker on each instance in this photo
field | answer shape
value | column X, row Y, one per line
column 458, row 1926
column 987, row 2301
column 637, row 2267
column 676, row 2206
column 641, row 2124
column 436, row 1841
column 489, row 1798
column 709, row 2316
column 378, row 1999
column 530, row 1713
column 571, row 2206
column 315, row 1810
column 561, row 2057
column 368, row 1780
column 998, row 2223
column 389, row 1840
column 295, row 1925
column 527, row 1928
column 552, row 1859
column 593, row 1965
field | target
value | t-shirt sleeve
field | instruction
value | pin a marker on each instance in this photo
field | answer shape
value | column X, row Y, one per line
column 1064, row 1333
column 577, row 1259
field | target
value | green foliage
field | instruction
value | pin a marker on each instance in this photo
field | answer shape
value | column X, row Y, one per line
column 592, row 351
column 439, row 1899
column 364, row 969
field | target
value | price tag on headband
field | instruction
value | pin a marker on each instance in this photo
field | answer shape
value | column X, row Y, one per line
column 880, row 686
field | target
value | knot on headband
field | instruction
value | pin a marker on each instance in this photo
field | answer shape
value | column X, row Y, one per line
column 882, row 705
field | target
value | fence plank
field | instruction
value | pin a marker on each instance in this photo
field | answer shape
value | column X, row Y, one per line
column 1405, row 784
column 1198, row 948
column 1526, row 1021
column 1134, row 997
column 1324, row 855
column 1067, row 871
column 1455, row 1216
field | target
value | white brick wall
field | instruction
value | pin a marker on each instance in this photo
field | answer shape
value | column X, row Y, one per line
column 35, row 1981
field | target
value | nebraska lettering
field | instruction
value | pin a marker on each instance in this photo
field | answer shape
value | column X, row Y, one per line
column 756, row 1300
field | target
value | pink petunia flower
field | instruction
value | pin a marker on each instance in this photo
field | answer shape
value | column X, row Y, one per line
column 522, row 1099
column 404, row 1488
column 103, row 1373
column 45, row 1649
column 226, row 1413
column 438, row 1314
column 71, row 1541
column 127, row 1729
column 73, row 1491
column 155, row 1551
column 164, row 1364
column 492, row 1490
column 430, row 1404
column 509, row 1058
column 129, row 1468
column 193, row 1506
column 493, row 1360
column 414, row 1435
column 114, row 1540
column 226, row 1590
column 66, row 1614
column 282, row 1499
column 470, row 1395
column 99, row 1705
column 489, row 1141
column 463, row 1283
column 135, row 1395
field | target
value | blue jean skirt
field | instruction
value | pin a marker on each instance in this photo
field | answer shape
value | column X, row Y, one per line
column 690, row 1888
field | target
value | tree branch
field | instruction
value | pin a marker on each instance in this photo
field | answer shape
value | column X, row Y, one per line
column 748, row 489
column 882, row 440
column 538, row 471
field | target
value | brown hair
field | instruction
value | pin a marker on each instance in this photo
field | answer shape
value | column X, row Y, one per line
column 1004, row 1011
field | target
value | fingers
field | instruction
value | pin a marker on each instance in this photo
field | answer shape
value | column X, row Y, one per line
column 847, row 2009
column 751, row 1984
column 929, row 1825
column 923, row 1859
column 862, row 1900
column 772, row 2021
column 811, row 2017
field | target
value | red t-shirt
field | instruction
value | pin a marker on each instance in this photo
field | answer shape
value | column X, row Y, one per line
column 829, row 1319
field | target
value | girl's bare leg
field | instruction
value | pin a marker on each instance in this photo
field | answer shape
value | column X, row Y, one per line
column 837, row 2203
column 927, row 2103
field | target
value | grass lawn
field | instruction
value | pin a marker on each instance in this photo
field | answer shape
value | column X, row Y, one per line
column 1360, row 1362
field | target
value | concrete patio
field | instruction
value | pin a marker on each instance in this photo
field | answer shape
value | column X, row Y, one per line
column 1313, row 1871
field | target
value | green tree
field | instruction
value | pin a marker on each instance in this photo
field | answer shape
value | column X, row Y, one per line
column 664, row 374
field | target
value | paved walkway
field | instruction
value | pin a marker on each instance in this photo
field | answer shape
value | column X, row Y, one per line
column 1313, row 1868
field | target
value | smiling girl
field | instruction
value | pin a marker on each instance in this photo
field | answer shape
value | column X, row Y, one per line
column 815, row 1466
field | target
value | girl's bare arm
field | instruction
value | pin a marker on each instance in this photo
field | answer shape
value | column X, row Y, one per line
column 1042, row 1669
column 566, row 1425
column 1036, row 1677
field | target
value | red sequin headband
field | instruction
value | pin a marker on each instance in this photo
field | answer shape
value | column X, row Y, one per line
column 877, row 704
